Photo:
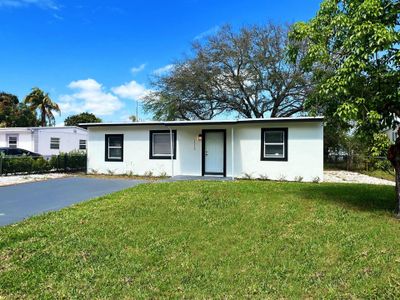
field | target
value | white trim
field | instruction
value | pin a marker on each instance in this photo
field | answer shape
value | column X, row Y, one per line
column 274, row 144
column 113, row 147
column 233, row 152
column 200, row 122
column 171, row 151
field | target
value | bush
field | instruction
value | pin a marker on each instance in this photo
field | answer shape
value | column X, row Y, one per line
column 66, row 162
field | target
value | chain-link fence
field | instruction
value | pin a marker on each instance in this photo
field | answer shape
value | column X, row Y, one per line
column 357, row 163
column 24, row 165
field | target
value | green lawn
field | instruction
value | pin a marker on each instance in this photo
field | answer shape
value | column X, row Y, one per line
column 381, row 174
column 238, row 239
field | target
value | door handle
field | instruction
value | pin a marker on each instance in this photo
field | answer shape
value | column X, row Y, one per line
column 206, row 153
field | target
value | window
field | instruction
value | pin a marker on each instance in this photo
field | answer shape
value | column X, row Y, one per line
column 54, row 143
column 114, row 147
column 13, row 141
column 82, row 144
column 274, row 144
column 160, row 144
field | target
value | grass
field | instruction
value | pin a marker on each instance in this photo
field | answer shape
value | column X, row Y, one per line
column 380, row 174
column 243, row 239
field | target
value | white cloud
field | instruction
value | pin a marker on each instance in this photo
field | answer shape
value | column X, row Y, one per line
column 138, row 69
column 131, row 90
column 207, row 33
column 163, row 70
column 90, row 96
column 46, row 4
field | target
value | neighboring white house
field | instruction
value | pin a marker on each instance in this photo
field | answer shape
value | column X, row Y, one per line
column 392, row 134
column 46, row 141
column 275, row 148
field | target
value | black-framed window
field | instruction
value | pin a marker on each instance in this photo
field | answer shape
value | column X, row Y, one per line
column 274, row 144
column 55, row 143
column 160, row 144
column 114, row 147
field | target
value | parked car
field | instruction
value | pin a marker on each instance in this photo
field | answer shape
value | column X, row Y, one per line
column 18, row 152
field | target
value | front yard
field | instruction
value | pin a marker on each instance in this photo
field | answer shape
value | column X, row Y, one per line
column 210, row 240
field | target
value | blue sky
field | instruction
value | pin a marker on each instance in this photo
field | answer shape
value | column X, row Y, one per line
column 98, row 55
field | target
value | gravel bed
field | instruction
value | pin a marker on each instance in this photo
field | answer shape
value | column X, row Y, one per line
column 354, row 177
column 10, row 180
column 329, row 176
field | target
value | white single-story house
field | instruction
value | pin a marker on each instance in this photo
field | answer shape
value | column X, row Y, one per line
column 392, row 134
column 274, row 148
column 46, row 141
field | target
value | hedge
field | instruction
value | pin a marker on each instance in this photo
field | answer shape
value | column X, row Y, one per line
column 28, row 165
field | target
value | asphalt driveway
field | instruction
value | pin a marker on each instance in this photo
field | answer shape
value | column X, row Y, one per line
column 18, row 202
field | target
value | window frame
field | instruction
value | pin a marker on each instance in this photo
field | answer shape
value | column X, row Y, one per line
column 80, row 142
column 16, row 141
column 52, row 143
column 151, row 134
column 106, row 143
column 285, row 144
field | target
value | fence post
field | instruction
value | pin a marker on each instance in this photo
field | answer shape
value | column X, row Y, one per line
column 1, row 165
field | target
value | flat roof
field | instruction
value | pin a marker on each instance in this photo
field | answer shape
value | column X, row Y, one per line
column 206, row 122
column 39, row 128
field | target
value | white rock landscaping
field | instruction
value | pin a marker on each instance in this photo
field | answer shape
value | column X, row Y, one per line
column 10, row 180
column 354, row 177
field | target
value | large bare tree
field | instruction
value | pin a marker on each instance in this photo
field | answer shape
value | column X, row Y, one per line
column 246, row 73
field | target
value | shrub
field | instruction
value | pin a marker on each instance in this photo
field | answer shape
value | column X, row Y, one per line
column 247, row 176
column 282, row 177
column 27, row 165
column 316, row 179
column 298, row 178
column 148, row 174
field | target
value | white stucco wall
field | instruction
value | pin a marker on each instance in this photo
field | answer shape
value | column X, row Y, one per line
column 305, row 151
column 25, row 138
column 69, row 138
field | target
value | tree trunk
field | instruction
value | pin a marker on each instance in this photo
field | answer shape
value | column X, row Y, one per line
column 394, row 157
column 397, row 169
column 43, row 117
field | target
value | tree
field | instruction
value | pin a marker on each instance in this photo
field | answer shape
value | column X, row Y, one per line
column 41, row 101
column 8, row 105
column 359, row 41
column 15, row 114
column 85, row 117
column 133, row 118
column 25, row 117
column 246, row 73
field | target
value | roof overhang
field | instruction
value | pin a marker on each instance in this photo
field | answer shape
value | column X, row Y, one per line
column 205, row 122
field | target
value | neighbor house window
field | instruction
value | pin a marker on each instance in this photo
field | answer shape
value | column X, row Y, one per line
column 160, row 144
column 394, row 136
column 114, row 147
column 13, row 142
column 82, row 144
column 54, row 143
column 274, row 144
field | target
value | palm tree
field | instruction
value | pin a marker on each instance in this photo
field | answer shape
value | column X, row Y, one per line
column 39, row 100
